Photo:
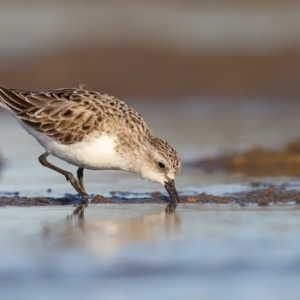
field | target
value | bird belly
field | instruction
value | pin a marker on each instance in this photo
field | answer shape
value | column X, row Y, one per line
column 95, row 152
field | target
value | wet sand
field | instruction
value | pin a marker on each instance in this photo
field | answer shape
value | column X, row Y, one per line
column 261, row 193
column 258, row 161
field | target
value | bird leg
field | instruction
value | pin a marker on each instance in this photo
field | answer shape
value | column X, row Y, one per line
column 80, row 177
column 69, row 176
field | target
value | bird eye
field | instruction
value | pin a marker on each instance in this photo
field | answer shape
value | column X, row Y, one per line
column 161, row 165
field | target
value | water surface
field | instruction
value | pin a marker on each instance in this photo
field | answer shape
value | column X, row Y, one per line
column 139, row 252
column 136, row 251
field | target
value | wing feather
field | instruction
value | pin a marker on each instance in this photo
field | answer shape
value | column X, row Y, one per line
column 56, row 113
column 68, row 115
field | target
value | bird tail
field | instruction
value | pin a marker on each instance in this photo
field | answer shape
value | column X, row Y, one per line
column 11, row 101
column 1, row 100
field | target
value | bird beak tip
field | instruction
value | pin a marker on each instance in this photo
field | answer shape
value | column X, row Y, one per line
column 171, row 189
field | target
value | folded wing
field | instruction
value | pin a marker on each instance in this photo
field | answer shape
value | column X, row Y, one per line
column 60, row 114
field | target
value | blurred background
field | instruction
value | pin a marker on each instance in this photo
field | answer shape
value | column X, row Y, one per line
column 209, row 76
column 159, row 49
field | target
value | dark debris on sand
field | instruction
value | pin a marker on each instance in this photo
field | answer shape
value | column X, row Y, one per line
column 261, row 194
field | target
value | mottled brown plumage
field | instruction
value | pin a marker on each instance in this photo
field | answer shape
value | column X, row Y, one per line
column 68, row 115
column 93, row 131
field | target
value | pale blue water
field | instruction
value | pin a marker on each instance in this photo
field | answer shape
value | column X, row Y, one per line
column 138, row 252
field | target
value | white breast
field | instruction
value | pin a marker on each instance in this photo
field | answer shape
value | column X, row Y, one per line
column 96, row 153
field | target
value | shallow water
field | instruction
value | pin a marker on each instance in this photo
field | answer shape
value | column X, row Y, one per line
column 139, row 252
column 136, row 251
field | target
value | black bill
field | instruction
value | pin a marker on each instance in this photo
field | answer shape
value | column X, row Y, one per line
column 170, row 187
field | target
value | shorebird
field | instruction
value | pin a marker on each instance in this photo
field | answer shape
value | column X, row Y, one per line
column 93, row 131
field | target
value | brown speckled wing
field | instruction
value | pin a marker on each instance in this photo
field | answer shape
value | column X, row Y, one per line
column 61, row 114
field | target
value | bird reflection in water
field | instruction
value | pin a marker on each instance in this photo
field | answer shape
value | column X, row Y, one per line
column 79, row 211
column 103, row 236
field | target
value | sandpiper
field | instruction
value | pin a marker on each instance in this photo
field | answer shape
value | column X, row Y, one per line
column 93, row 131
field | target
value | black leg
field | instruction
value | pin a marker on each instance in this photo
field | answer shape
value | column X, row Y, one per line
column 69, row 176
column 80, row 177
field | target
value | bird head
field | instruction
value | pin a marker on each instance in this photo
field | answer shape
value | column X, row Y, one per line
column 161, row 164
